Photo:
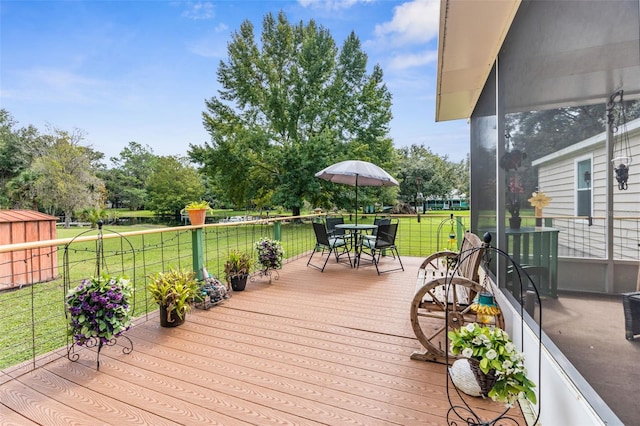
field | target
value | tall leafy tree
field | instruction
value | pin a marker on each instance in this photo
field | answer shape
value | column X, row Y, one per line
column 289, row 106
column 423, row 171
column 66, row 176
column 14, row 157
column 126, row 181
column 172, row 184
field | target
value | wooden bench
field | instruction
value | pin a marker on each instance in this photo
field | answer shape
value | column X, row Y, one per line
column 446, row 285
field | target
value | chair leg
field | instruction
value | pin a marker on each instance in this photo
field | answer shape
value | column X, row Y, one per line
column 312, row 253
column 325, row 261
column 394, row 252
column 375, row 261
column 372, row 254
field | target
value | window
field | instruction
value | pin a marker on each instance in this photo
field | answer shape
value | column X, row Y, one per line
column 583, row 187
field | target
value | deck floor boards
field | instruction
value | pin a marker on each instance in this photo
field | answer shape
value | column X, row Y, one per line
column 310, row 348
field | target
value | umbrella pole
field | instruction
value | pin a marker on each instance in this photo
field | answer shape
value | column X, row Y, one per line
column 357, row 199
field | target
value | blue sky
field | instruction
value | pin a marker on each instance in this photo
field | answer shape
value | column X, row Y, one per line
column 140, row 71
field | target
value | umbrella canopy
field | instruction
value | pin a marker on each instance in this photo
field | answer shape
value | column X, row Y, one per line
column 357, row 173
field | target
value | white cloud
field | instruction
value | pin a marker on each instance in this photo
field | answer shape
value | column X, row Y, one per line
column 199, row 10
column 331, row 4
column 413, row 22
column 410, row 60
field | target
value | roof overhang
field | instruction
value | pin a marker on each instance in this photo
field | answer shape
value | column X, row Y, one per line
column 470, row 37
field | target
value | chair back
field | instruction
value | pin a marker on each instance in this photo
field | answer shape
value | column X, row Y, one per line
column 321, row 233
column 470, row 256
column 386, row 236
column 331, row 225
column 380, row 221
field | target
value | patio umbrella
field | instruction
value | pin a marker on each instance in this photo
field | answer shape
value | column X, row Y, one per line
column 357, row 173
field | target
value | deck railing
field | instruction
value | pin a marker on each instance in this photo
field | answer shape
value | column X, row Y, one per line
column 32, row 313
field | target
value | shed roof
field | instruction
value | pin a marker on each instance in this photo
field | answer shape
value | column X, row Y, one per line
column 24, row 216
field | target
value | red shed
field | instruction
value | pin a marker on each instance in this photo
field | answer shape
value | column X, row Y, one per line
column 29, row 265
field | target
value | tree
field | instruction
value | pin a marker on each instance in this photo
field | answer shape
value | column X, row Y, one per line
column 14, row 157
column 126, row 181
column 288, row 108
column 437, row 176
column 21, row 190
column 172, row 184
column 65, row 176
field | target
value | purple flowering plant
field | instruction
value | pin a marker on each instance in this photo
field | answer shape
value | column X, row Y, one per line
column 270, row 253
column 99, row 308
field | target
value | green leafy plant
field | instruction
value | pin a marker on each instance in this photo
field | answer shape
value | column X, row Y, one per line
column 238, row 264
column 198, row 205
column 493, row 349
column 99, row 308
column 175, row 289
column 270, row 253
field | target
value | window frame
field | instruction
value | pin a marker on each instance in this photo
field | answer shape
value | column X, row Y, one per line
column 579, row 178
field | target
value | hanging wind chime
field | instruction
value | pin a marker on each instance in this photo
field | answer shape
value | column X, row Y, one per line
column 621, row 149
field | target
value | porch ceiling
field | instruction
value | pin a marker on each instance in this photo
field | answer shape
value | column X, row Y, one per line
column 471, row 34
column 552, row 54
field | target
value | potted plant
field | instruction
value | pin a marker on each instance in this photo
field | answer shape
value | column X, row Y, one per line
column 270, row 254
column 514, row 193
column 197, row 211
column 237, row 268
column 99, row 308
column 173, row 291
column 495, row 361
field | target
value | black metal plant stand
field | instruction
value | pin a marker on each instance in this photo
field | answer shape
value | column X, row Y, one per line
column 462, row 413
column 127, row 348
column 95, row 342
column 450, row 225
column 271, row 273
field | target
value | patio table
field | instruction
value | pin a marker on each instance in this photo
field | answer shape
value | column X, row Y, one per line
column 355, row 230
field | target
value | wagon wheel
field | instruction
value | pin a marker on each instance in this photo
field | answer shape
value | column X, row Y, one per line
column 432, row 318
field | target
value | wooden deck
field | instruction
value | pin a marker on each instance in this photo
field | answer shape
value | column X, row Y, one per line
column 311, row 348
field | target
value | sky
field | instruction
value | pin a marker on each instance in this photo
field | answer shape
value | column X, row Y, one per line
column 121, row 71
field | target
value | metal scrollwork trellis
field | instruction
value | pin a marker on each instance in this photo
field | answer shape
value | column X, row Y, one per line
column 461, row 413
column 95, row 342
column 270, row 273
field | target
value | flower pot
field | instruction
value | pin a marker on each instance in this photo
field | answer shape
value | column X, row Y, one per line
column 197, row 217
column 238, row 283
column 173, row 320
column 514, row 222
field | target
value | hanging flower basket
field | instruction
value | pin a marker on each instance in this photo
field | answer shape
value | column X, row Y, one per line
column 495, row 362
column 270, row 253
column 99, row 308
column 486, row 381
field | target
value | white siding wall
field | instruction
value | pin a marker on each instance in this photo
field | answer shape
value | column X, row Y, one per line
column 556, row 177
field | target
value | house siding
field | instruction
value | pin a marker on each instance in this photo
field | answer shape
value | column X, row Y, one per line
column 578, row 237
